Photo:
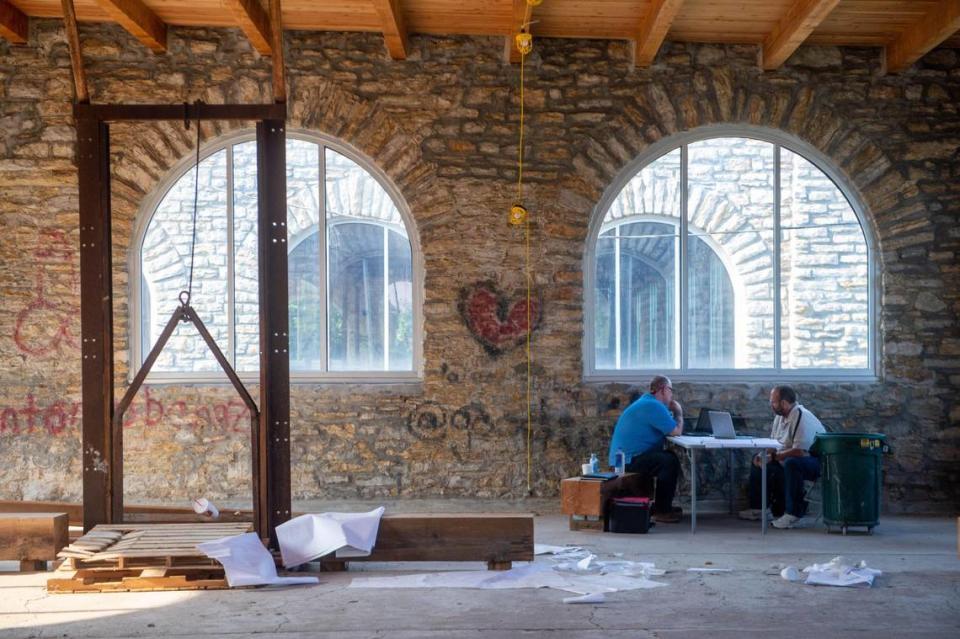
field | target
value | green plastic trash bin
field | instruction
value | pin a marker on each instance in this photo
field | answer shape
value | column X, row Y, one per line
column 850, row 477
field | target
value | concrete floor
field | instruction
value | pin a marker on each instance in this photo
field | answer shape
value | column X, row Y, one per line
column 917, row 596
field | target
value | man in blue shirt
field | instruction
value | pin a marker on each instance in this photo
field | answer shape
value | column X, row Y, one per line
column 640, row 434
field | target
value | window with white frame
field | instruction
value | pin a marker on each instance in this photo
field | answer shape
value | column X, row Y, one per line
column 731, row 254
column 351, row 269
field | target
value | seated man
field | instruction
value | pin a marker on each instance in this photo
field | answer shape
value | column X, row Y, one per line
column 640, row 434
column 795, row 428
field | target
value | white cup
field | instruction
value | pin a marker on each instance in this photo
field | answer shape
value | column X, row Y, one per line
column 203, row 506
column 586, row 469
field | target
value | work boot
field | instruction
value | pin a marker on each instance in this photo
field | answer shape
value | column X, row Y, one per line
column 672, row 517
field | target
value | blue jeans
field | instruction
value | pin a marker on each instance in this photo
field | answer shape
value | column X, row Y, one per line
column 784, row 484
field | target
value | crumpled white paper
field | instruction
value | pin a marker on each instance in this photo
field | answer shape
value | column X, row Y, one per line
column 247, row 563
column 308, row 537
column 840, row 572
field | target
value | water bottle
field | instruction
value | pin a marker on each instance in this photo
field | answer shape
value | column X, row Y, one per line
column 620, row 460
column 594, row 463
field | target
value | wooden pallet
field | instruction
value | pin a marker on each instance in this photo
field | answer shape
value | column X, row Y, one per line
column 143, row 557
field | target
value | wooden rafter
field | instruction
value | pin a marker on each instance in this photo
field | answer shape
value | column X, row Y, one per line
column 937, row 25
column 521, row 13
column 276, row 43
column 76, row 55
column 139, row 21
column 653, row 29
column 799, row 22
column 13, row 23
column 394, row 27
column 254, row 22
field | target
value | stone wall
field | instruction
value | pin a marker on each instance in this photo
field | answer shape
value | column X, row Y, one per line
column 442, row 125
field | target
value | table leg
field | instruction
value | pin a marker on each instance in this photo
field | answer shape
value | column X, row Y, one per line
column 763, row 492
column 693, row 490
column 730, row 472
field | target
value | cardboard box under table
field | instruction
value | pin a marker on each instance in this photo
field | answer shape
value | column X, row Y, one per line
column 587, row 500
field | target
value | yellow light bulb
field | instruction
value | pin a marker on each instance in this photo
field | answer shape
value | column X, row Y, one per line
column 518, row 215
column 524, row 42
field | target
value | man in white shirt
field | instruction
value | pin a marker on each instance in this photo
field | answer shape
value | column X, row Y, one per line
column 795, row 427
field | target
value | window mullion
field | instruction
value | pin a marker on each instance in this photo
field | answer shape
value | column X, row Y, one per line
column 231, row 266
column 324, row 259
column 777, row 309
column 681, row 342
column 616, row 297
column 386, row 298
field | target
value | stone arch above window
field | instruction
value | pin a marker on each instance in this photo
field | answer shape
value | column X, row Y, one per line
column 762, row 260
column 354, row 266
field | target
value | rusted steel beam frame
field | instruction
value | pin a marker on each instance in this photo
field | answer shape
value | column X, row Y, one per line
column 272, row 448
column 96, row 320
column 189, row 112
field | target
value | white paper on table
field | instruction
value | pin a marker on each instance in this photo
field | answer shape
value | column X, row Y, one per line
column 247, row 563
column 308, row 537
column 839, row 572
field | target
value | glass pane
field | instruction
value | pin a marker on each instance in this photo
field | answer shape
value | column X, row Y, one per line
column 400, row 298
column 654, row 191
column 647, row 292
column 823, row 276
column 605, row 325
column 730, row 225
column 352, row 192
column 356, row 285
column 165, row 260
column 246, row 318
column 303, row 237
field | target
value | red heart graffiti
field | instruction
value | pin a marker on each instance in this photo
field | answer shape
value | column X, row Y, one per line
column 495, row 323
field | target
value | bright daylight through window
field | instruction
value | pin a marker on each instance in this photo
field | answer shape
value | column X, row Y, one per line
column 773, row 276
column 350, row 266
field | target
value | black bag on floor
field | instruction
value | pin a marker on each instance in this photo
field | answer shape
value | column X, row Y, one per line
column 629, row 515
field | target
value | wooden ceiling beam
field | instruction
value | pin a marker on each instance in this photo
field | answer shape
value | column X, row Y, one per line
column 254, row 22
column 14, row 26
column 76, row 55
column 941, row 22
column 653, row 30
column 798, row 23
column 276, row 43
column 139, row 21
column 520, row 14
column 394, row 27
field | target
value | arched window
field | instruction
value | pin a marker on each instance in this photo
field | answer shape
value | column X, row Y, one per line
column 731, row 254
column 354, row 301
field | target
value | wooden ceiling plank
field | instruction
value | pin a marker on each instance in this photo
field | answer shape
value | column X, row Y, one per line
column 653, row 29
column 276, row 42
column 76, row 56
column 13, row 23
column 941, row 22
column 799, row 22
column 519, row 12
column 139, row 21
column 253, row 21
column 394, row 27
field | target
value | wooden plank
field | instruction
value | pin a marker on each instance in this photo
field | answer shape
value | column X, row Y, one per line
column 14, row 26
column 32, row 536
column 132, row 513
column 96, row 321
column 653, row 29
column 139, row 20
column 521, row 13
column 941, row 22
column 799, row 22
column 271, row 436
column 453, row 537
column 254, row 22
column 179, row 112
column 276, row 42
column 394, row 27
column 81, row 93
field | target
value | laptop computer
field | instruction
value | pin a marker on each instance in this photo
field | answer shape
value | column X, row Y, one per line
column 721, row 423
column 700, row 427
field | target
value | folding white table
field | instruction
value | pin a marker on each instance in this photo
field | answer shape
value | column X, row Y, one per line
column 692, row 444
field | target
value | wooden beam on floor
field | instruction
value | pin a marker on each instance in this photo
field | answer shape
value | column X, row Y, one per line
column 139, row 20
column 941, row 22
column 653, row 30
column 798, row 23
column 276, row 42
column 254, row 22
column 81, row 93
column 271, row 440
column 14, row 25
column 520, row 16
column 394, row 27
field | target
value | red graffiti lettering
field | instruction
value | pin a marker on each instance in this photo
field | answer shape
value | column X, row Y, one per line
column 56, row 419
column 9, row 421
